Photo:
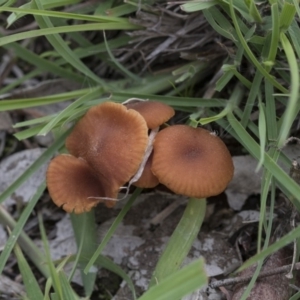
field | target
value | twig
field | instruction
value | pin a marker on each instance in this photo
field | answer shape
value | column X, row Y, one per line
column 167, row 211
column 241, row 279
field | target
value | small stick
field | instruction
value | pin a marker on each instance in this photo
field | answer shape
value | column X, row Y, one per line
column 290, row 139
column 166, row 212
column 294, row 287
column 241, row 279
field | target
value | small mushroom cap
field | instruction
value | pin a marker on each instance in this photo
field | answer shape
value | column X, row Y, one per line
column 155, row 113
column 71, row 182
column 112, row 139
column 191, row 161
column 148, row 179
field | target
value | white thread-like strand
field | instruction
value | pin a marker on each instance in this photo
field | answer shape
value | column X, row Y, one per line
column 134, row 99
column 148, row 151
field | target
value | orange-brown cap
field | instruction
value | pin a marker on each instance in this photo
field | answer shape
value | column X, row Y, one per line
column 112, row 139
column 191, row 161
column 71, row 182
column 155, row 113
column 147, row 179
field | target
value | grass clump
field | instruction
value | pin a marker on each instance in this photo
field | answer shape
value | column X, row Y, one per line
column 230, row 62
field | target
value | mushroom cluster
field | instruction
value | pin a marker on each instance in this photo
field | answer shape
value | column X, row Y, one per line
column 114, row 144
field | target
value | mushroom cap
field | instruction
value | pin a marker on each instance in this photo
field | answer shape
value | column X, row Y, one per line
column 147, row 179
column 112, row 139
column 155, row 113
column 191, row 161
column 71, row 181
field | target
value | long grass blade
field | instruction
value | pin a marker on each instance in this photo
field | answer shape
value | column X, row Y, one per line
column 291, row 110
column 112, row 229
column 17, row 233
column 179, row 284
column 33, row 290
column 181, row 240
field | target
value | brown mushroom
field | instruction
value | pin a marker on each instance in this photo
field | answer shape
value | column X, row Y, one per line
column 155, row 113
column 71, row 181
column 107, row 147
column 191, row 161
column 112, row 139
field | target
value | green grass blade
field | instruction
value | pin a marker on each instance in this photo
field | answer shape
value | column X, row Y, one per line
column 262, row 129
column 219, row 23
column 234, row 100
column 151, row 85
column 65, row 29
column 36, row 121
column 251, row 100
column 294, row 32
column 253, row 11
column 16, row 233
column 32, row 288
column 92, row 50
column 223, row 81
column 296, row 296
column 181, row 240
column 179, row 283
column 170, row 100
column 197, row 5
column 270, row 112
column 265, row 187
column 27, row 133
column 275, row 36
column 6, row 105
column 238, row 75
column 64, row 15
column 250, row 53
column 112, row 229
column 287, row 15
column 62, row 48
column 287, row 239
column 19, row 81
column 83, row 224
column 76, row 37
column 67, row 291
column 13, row 104
column 252, row 281
column 111, row 266
column 288, row 186
column 47, row 5
column 92, row 94
column 119, row 66
column 56, row 283
column 47, row 154
column 103, row 7
column 121, row 10
column 108, row 264
column 291, row 110
column 41, row 63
